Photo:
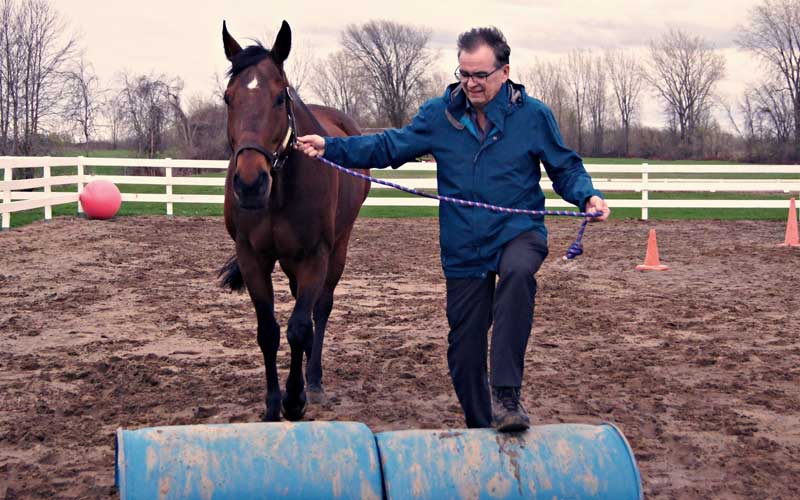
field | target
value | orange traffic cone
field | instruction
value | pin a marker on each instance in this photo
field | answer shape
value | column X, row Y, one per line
column 651, row 261
column 792, row 237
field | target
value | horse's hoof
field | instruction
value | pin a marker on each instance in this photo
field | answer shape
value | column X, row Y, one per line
column 316, row 394
column 294, row 410
column 271, row 417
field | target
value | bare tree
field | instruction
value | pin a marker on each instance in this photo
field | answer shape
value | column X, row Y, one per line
column 773, row 34
column 146, row 106
column 432, row 85
column 546, row 82
column 301, row 62
column 82, row 99
column 776, row 105
column 113, row 110
column 219, row 85
column 596, row 101
column 751, row 129
column 200, row 124
column 395, row 57
column 45, row 48
column 684, row 70
column 207, row 118
column 35, row 47
column 627, row 82
column 579, row 68
column 182, row 122
column 9, row 76
column 300, row 65
column 340, row 83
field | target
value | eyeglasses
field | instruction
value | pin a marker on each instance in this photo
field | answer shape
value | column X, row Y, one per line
column 477, row 77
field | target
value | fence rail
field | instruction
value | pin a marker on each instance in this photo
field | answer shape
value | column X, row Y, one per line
column 18, row 195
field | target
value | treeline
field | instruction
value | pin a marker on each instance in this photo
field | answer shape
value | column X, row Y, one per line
column 382, row 71
column 50, row 96
column 35, row 60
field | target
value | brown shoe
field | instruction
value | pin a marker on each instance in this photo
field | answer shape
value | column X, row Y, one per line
column 508, row 415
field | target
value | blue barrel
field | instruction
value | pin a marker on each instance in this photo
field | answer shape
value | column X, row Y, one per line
column 546, row 462
column 240, row 461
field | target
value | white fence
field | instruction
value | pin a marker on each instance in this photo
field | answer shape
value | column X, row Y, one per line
column 18, row 195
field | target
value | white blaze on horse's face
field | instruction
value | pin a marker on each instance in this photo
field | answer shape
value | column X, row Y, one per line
column 253, row 84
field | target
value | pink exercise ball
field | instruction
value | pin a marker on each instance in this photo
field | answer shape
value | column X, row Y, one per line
column 100, row 200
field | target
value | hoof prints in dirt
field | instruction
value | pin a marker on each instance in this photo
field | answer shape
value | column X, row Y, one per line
column 699, row 366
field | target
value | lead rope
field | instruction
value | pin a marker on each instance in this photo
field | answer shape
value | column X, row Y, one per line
column 573, row 251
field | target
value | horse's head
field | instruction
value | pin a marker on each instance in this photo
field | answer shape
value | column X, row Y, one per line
column 260, row 119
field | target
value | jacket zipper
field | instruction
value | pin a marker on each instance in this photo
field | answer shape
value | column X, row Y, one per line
column 488, row 141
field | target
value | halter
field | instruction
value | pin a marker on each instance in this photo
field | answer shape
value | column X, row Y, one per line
column 278, row 158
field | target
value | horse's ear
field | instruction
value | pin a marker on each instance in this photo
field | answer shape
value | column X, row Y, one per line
column 232, row 47
column 283, row 43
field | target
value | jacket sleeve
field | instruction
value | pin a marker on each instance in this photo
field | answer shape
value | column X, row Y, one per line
column 393, row 147
column 563, row 165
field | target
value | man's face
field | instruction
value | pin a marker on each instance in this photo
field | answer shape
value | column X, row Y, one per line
column 481, row 60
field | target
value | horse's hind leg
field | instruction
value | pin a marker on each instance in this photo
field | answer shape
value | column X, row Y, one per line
column 310, row 273
column 258, row 278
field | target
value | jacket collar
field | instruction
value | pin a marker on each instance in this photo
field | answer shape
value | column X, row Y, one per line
column 508, row 99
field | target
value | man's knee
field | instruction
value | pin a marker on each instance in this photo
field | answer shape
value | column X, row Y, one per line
column 523, row 257
column 520, row 271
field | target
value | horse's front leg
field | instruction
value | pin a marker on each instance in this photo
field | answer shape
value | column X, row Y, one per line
column 310, row 273
column 322, row 311
column 257, row 276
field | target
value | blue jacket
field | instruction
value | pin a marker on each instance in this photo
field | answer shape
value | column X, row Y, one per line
column 502, row 170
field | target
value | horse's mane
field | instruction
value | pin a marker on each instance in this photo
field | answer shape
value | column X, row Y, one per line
column 249, row 56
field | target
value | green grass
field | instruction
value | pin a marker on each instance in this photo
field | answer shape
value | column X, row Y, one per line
column 390, row 173
column 639, row 161
column 398, row 212
column 185, row 209
column 400, row 173
column 97, row 153
column 19, row 219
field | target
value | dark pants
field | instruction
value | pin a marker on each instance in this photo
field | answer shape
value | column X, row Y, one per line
column 472, row 303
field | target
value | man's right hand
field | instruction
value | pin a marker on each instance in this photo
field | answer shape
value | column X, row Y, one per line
column 311, row 145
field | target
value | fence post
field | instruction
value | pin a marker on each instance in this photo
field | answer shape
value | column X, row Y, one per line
column 48, row 208
column 168, row 175
column 81, row 180
column 645, row 196
column 7, row 177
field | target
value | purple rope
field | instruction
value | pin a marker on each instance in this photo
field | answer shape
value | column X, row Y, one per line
column 573, row 251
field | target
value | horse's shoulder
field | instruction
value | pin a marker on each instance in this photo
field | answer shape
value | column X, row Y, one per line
column 335, row 121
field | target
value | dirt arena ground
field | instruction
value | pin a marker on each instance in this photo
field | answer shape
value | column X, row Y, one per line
column 120, row 324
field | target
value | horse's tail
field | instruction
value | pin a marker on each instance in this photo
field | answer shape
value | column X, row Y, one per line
column 231, row 276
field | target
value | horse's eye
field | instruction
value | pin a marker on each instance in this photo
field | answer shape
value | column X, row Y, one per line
column 227, row 99
column 279, row 100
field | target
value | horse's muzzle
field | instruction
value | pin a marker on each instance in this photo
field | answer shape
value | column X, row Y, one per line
column 252, row 196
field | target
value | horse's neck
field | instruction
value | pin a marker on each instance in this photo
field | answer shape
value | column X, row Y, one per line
column 311, row 124
column 287, row 181
column 277, row 197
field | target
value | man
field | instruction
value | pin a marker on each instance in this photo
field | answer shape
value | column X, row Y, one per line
column 488, row 138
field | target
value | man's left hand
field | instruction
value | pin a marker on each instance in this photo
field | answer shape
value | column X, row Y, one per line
column 597, row 204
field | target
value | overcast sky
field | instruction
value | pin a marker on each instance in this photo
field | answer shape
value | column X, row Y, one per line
column 182, row 38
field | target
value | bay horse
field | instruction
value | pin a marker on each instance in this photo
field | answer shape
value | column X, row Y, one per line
column 281, row 206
